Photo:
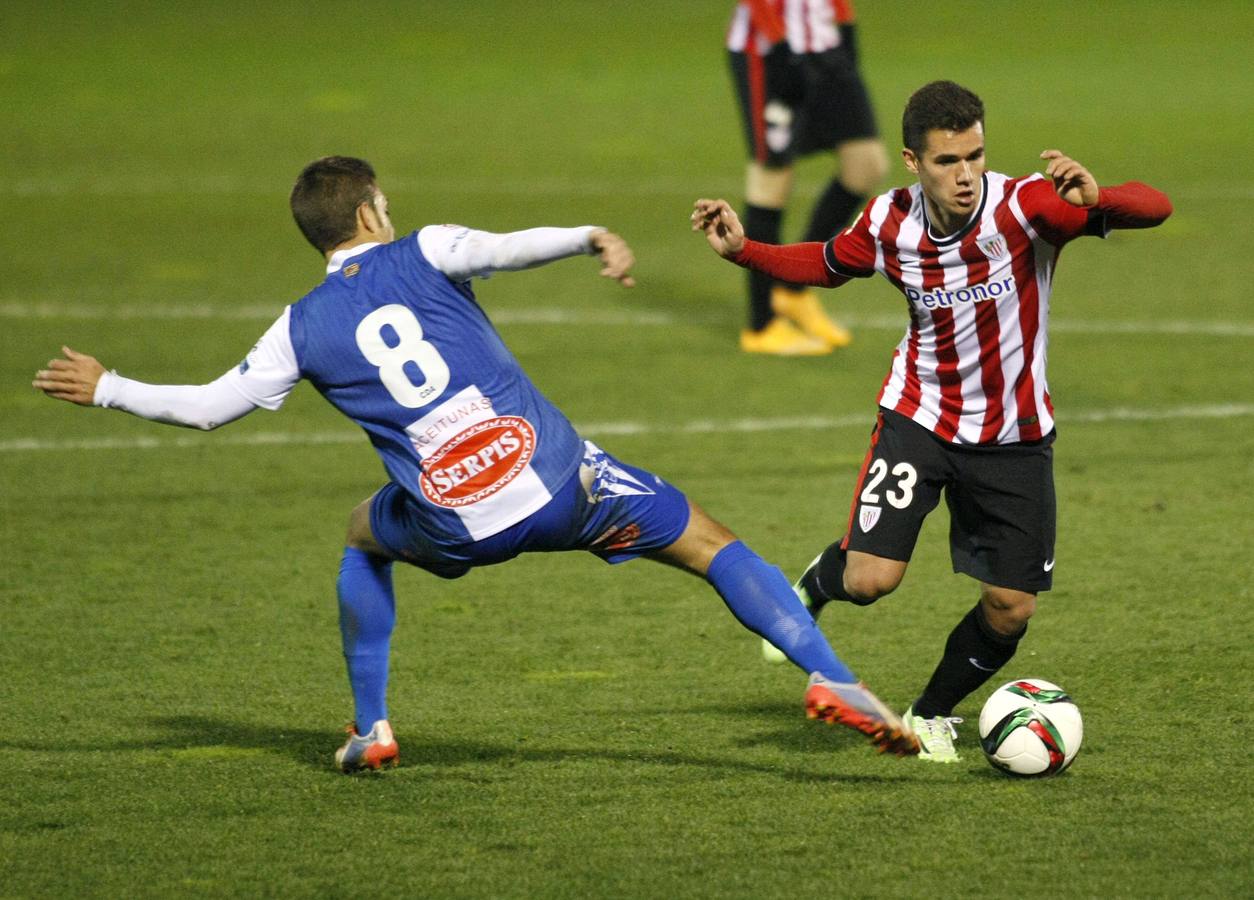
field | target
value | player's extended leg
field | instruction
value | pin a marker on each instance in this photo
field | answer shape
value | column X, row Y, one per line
column 980, row 644
column 761, row 599
column 367, row 617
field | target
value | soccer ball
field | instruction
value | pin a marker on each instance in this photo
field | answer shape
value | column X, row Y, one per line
column 1030, row 728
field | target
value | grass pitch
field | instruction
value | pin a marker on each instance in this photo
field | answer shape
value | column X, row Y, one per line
column 172, row 680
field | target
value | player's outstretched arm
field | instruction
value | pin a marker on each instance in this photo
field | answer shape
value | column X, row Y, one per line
column 798, row 263
column 463, row 253
column 72, row 378
column 721, row 226
column 1085, row 206
column 79, row 378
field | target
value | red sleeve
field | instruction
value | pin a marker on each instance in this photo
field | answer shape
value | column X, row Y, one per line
column 1129, row 205
column 852, row 252
column 798, row 263
column 1133, row 205
column 1052, row 217
column 766, row 20
column 844, row 11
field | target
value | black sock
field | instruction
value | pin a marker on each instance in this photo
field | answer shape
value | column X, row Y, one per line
column 833, row 212
column 761, row 224
column 973, row 654
column 825, row 581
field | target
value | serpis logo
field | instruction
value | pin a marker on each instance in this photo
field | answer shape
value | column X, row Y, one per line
column 943, row 299
column 478, row 462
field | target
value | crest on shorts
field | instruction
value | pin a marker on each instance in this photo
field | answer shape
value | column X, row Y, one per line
column 868, row 516
column 993, row 247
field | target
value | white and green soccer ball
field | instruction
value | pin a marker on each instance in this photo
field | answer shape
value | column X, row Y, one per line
column 1030, row 728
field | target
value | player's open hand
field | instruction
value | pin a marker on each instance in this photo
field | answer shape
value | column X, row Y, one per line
column 616, row 257
column 1072, row 181
column 721, row 226
column 73, row 378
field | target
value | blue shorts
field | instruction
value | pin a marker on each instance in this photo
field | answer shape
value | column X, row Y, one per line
column 607, row 507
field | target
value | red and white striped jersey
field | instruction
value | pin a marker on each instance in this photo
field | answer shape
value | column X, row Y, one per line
column 809, row 26
column 971, row 367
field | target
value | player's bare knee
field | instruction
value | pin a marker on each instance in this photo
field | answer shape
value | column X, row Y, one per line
column 768, row 187
column 863, row 165
column 712, row 535
column 1007, row 611
column 359, row 535
column 701, row 541
column 869, row 584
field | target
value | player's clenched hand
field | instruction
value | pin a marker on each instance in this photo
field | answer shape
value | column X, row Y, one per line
column 73, row 378
column 1072, row 181
column 721, row 226
column 616, row 257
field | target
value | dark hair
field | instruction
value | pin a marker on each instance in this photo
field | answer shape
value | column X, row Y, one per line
column 326, row 196
column 943, row 105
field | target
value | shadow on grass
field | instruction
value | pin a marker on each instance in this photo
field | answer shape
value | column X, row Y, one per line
column 206, row 737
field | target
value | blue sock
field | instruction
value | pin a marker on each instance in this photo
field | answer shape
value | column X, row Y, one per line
column 367, row 614
column 761, row 598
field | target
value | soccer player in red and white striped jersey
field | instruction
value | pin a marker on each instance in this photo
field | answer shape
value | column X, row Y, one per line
column 795, row 68
column 965, row 408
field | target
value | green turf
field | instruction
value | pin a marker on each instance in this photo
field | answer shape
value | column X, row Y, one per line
column 172, row 685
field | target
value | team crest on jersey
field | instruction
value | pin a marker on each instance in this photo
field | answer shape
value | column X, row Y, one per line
column 867, row 517
column 478, row 462
column 993, row 247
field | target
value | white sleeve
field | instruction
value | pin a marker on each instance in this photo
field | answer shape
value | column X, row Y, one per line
column 265, row 378
column 269, row 371
column 463, row 253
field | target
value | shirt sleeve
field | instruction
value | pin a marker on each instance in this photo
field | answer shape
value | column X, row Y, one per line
column 1052, row 217
column 270, row 370
column 1129, row 205
column 264, row 379
column 852, row 252
column 803, row 263
column 464, row 253
column 203, row 406
column 1133, row 205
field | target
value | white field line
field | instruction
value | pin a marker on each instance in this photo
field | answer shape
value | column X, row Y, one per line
column 587, row 317
column 598, row 429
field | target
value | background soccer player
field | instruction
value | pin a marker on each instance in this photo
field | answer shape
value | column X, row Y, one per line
column 795, row 66
column 482, row 466
column 965, row 407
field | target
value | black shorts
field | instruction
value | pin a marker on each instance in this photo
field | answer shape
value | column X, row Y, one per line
column 795, row 104
column 1002, row 510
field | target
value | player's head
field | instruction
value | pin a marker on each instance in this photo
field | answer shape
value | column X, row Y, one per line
column 336, row 199
column 943, row 132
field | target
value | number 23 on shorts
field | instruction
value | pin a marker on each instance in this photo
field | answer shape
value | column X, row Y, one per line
column 898, row 493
